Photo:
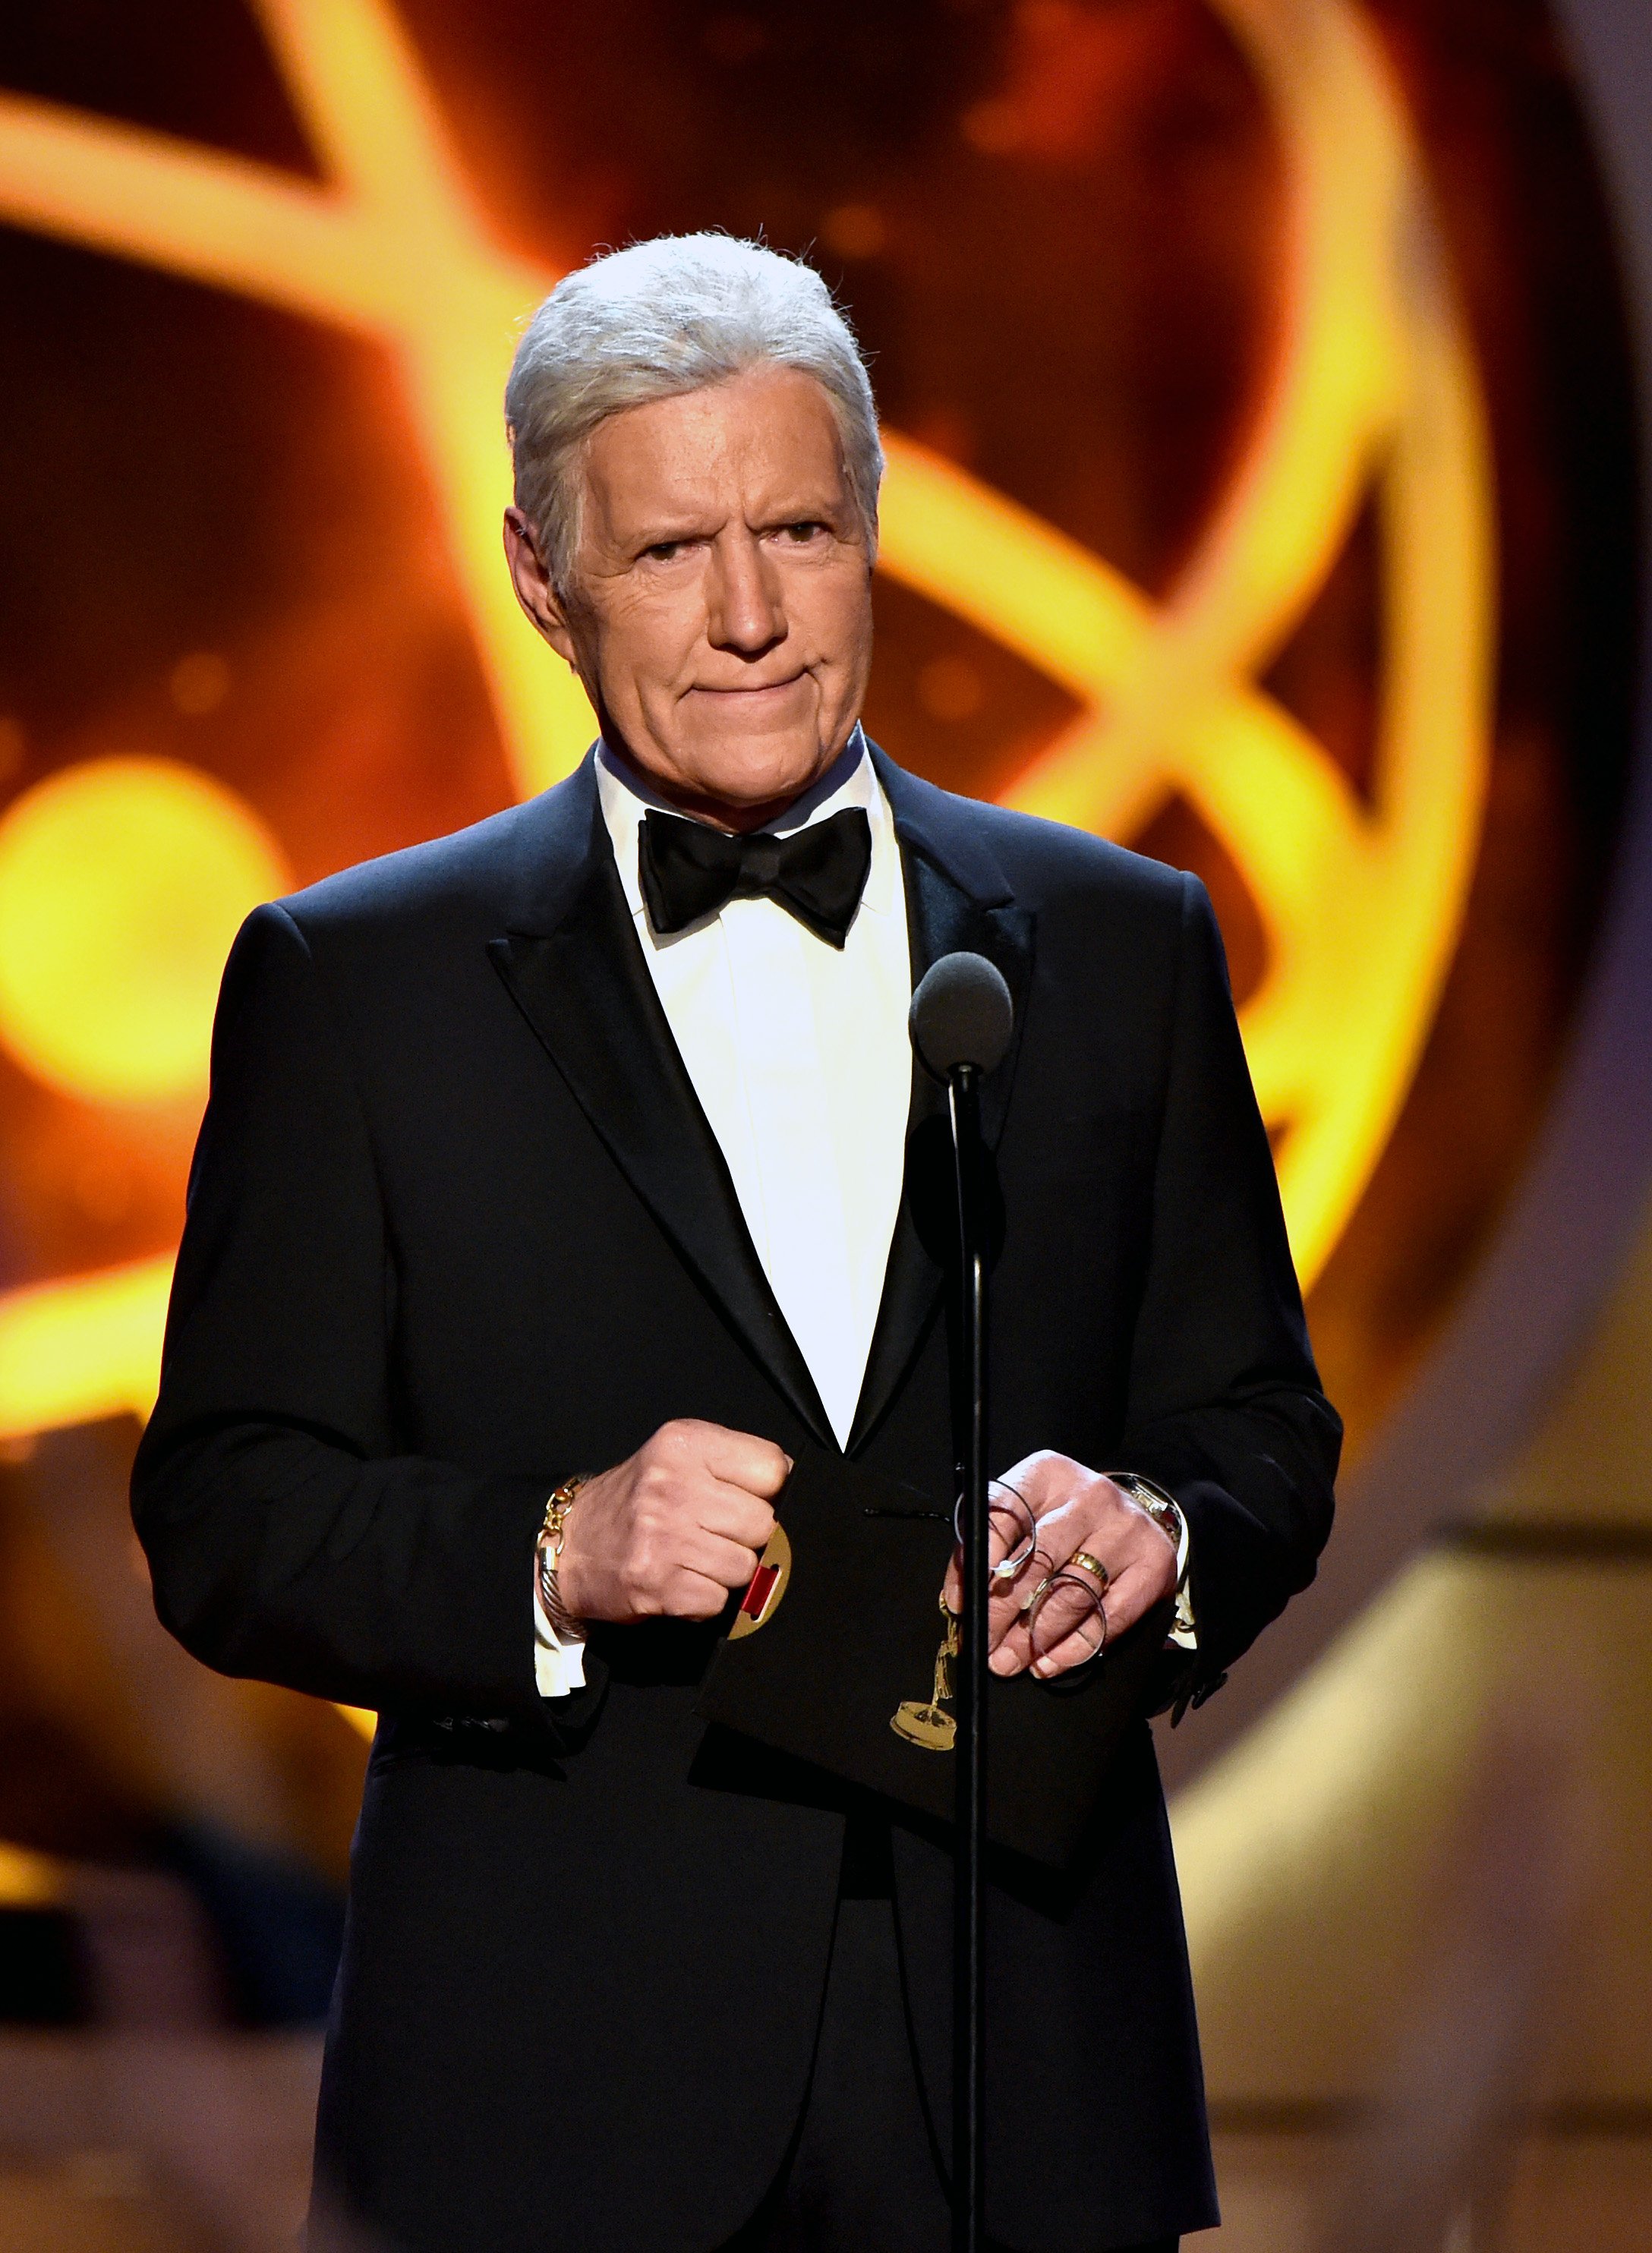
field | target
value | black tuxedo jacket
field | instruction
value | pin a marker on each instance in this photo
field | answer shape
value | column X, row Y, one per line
column 458, row 1228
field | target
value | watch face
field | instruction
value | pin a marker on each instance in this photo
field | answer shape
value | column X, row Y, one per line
column 1258, row 412
column 1168, row 1519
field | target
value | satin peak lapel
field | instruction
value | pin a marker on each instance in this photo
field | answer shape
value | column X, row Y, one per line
column 585, row 989
column 945, row 916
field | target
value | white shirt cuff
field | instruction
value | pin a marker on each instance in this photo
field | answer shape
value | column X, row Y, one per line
column 1184, row 1632
column 559, row 1662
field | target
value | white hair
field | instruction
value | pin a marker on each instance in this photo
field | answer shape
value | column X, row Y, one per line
column 658, row 319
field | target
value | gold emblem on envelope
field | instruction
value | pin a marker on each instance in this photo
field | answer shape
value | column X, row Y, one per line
column 930, row 1726
column 766, row 1587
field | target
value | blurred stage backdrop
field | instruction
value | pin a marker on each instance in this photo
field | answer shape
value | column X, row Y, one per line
column 1259, row 384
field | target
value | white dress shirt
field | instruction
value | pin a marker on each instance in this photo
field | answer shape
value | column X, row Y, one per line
column 799, row 1054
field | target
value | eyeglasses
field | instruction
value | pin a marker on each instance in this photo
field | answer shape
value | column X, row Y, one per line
column 1059, row 1601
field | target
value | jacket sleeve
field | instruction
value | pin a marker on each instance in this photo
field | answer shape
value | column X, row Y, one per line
column 1225, row 1410
column 287, row 1537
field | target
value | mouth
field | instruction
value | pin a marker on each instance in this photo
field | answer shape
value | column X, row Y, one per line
column 755, row 696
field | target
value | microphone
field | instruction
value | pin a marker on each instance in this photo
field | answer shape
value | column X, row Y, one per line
column 961, row 1020
column 961, row 1014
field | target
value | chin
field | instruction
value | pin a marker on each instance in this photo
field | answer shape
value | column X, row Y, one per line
column 758, row 774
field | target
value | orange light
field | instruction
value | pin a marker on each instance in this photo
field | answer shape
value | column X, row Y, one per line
column 123, row 883
column 84, row 1347
column 30, row 1880
column 1373, row 384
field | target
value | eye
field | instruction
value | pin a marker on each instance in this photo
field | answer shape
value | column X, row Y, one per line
column 803, row 530
column 665, row 551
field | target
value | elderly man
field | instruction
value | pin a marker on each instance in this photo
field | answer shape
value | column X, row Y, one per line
column 553, row 1199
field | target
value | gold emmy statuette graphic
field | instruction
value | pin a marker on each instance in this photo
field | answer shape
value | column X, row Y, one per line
column 931, row 1727
column 767, row 1586
column 1370, row 396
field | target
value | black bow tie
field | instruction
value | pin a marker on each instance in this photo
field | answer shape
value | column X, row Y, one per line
column 688, row 871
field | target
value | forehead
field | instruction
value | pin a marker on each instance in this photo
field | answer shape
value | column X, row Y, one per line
column 756, row 440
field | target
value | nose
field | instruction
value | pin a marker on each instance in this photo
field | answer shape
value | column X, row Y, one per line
column 745, row 611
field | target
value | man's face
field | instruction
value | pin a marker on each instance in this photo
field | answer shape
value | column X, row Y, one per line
column 721, row 610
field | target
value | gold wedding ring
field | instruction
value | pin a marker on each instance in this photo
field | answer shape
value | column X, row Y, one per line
column 1082, row 1561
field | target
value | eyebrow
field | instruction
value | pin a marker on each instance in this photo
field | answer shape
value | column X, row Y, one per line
column 683, row 528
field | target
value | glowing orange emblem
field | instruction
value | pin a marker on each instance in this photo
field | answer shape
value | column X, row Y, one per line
column 1373, row 384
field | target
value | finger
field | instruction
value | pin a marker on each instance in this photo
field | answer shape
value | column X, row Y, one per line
column 1011, row 1528
column 1000, row 1608
column 694, row 1596
column 734, row 1512
column 1130, row 1597
column 1073, row 1598
column 1013, row 1653
column 1003, row 1602
column 731, row 1563
column 1075, row 1650
column 1005, row 1609
column 742, row 1459
column 1012, row 1646
column 1004, row 1612
column 1063, row 1626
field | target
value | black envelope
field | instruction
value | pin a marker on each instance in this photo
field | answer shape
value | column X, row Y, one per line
column 854, row 1634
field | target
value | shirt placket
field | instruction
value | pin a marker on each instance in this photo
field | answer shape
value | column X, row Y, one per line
column 799, row 1175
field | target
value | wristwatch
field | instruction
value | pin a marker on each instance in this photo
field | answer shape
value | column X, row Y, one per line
column 1168, row 1515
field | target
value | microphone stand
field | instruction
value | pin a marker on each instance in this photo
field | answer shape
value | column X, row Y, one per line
column 969, row 1998
column 962, row 1018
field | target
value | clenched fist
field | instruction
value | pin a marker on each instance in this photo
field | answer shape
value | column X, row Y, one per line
column 668, row 1532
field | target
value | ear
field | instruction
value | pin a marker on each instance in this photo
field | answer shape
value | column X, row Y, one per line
column 535, row 588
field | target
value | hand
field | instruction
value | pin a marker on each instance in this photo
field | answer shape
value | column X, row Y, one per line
column 1072, row 1508
column 670, row 1530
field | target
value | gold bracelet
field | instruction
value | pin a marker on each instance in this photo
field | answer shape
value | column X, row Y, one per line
column 548, row 1548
